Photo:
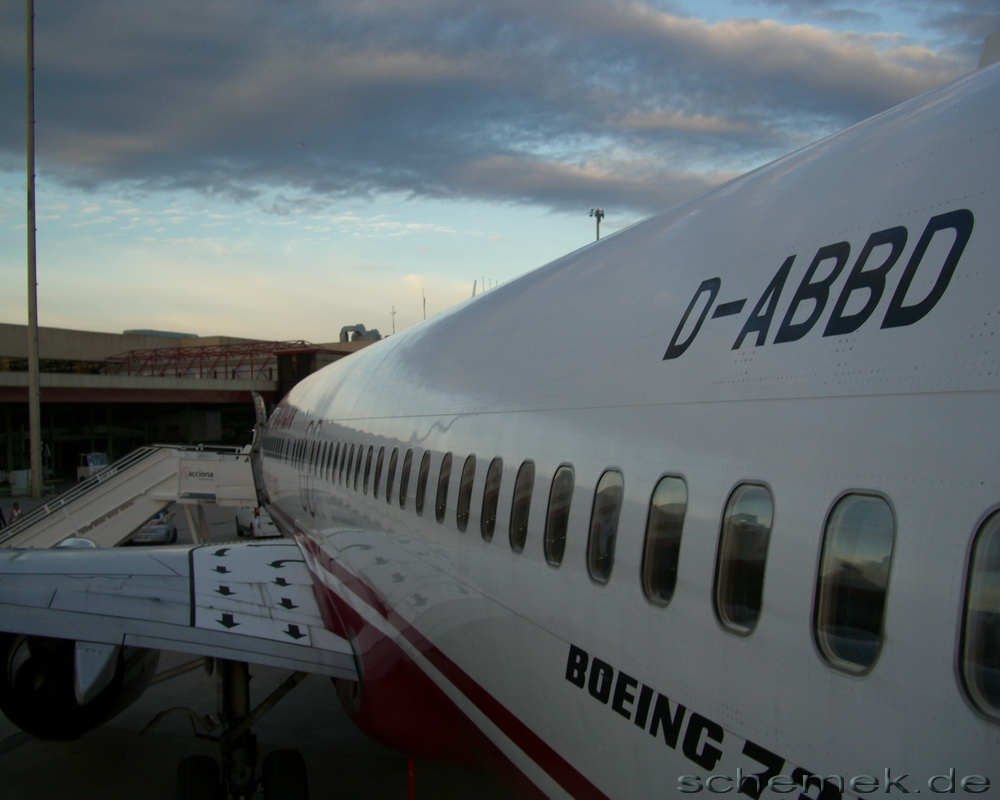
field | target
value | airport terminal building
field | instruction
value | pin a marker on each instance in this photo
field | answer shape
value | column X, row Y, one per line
column 112, row 393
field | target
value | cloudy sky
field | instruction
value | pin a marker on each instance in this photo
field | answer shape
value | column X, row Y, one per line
column 278, row 169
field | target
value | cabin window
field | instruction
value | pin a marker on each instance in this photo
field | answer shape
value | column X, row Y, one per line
column 349, row 464
column 379, row 462
column 742, row 556
column 390, row 478
column 491, row 498
column 981, row 626
column 444, row 478
column 465, row 492
column 604, row 525
column 333, row 464
column 357, row 466
column 368, row 468
column 404, row 478
column 423, row 475
column 557, row 518
column 662, row 549
column 853, row 581
column 520, row 509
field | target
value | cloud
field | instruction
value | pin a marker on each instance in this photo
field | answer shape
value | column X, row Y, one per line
column 300, row 104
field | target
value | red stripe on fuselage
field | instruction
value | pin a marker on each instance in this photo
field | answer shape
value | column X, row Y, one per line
column 558, row 768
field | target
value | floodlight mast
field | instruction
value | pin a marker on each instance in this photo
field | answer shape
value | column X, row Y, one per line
column 597, row 214
column 34, row 392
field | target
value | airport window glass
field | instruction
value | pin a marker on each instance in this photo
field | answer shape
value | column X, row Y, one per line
column 379, row 462
column 520, row 508
column 662, row 549
column 423, row 475
column 404, row 478
column 491, row 499
column 604, row 525
column 444, row 479
column 981, row 629
column 465, row 492
column 853, row 581
column 742, row 557
column 390, row 477
column 557, row 517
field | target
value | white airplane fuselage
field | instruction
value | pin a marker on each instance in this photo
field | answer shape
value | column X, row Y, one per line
column 827, row 327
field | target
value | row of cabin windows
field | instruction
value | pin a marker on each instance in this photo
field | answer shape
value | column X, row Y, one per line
column 851, row 585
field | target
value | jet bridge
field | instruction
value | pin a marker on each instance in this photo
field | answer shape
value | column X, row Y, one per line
column 108, row 507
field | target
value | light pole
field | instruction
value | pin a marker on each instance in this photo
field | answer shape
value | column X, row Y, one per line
column 34, row 392
column 597, row 214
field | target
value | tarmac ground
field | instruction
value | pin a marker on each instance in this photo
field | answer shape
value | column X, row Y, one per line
column 121, row 760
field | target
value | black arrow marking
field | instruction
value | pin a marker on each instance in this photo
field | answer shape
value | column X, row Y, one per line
column 282, row 581
column 287, row 603
column 282, row 561
column 221, row 552
column 221, row 570
column 294, row 632
column 227, row 621
column 225, row 591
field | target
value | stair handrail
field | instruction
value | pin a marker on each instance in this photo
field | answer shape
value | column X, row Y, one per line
column 92, row 482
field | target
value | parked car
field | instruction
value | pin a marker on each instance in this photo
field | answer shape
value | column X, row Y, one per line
column 161, row 529
column 255, row 523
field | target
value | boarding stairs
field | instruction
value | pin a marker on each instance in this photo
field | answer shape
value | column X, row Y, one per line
column 108, row 507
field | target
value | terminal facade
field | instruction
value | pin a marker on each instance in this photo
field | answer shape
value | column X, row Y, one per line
column 112, row 393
